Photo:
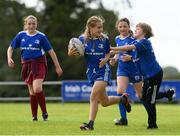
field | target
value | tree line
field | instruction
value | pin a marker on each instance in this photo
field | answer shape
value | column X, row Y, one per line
column 60, row 20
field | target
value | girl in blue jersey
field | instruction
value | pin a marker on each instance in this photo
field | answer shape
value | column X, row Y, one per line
column 33, row 45
column 98, row 72
column 150, row 69
column 127, row 70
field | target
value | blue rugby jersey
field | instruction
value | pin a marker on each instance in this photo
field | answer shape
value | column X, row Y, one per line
column 128, row 65
column 95, row 50
column 124, row 41
column 32, row 46
column 146, row 58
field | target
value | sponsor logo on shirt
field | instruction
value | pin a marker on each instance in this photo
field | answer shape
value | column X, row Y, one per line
column 94, row 53
column 101, row 46
column 92, row 50
column 29, row 48
column 37, row 41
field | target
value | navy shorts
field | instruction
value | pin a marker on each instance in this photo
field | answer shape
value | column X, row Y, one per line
column 99, row 74
column 133, row 75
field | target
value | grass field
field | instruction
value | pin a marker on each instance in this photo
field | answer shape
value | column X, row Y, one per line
column 64, row 119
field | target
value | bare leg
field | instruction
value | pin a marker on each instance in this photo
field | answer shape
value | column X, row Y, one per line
column 138, row 89
column 104, row 99
column 98, row 94
column 30, row 88
column 37, row 85
column 122, row 84
column 93, row 106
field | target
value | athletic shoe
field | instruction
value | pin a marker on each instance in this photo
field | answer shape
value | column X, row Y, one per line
column 152, row 126
column 126, row 102
column 121, row 122
column 170, row 93
column 34, row 119
column 45, row 116
column 86, row 126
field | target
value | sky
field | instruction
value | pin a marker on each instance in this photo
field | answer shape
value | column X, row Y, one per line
column 162, row 15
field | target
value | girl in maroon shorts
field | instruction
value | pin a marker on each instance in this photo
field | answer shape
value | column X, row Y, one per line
column 33, row 45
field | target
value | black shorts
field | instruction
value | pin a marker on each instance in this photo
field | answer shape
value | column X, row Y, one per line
column 151, row 87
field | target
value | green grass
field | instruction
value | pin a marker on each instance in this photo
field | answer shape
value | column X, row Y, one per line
column 64, row 119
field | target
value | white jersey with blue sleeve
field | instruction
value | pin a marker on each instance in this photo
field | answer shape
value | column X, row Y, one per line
column 32, row 46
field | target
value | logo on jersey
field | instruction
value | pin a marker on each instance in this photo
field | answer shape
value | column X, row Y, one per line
column 136, row 78
column 92, row 50
column 23, row 40
column 37, row 41
column 94, row 70
column 101, row 46
column 30, row 47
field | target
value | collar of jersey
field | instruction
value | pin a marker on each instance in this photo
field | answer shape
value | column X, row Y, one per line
column 93, row 38
column 123, row 37
column 31, row 34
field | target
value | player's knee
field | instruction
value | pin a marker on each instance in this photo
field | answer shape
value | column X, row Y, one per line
column 93, row 97
column 103, row 104
column 37, row 89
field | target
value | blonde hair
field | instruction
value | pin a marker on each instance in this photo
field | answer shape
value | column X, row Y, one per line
column 91, row 22
column 147, row 30
column 27, row 18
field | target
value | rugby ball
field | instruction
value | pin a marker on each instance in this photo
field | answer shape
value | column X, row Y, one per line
column 76, row 43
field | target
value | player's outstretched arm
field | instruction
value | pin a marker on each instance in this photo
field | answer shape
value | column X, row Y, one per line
column 126, row 57
column 123, row 48
column 54, row 58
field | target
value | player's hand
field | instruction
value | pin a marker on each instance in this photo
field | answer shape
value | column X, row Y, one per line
column 126, row 58
column 113, row 52
column 59, row 71
column 102, row 62
column 11, row 63
column 112, row 61
column 113, row 48
column 73, row 52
